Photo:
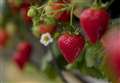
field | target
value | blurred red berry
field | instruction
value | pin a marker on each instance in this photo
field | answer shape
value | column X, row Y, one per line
column 3, row 37
column 44, row 28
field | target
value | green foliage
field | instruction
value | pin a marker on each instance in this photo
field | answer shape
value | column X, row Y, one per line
column 50, row 71
column 93, row 55
column 90, row 61
column 32, row 11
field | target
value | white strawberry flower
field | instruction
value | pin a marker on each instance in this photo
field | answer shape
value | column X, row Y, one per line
column 46, row 39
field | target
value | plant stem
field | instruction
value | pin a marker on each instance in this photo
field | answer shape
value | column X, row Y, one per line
column 59, row 71
column 55, row 11
column 71, row 15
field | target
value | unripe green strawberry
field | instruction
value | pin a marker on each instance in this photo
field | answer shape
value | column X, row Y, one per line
column 32, row 11
column 35, row 31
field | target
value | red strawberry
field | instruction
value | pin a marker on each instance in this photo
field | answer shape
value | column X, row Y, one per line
column 24, row 47
column 3, row 37
column 61, row 15
column 111, row 43
column 94, row 22
column 23, row 11
column 22, row 55
column 20, row 59
column 44, row 28
column 71, row 46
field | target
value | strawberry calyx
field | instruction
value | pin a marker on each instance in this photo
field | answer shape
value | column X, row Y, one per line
column 98, row 4
column 71, row 33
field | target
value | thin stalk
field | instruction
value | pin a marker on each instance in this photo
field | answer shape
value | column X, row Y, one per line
column 71, row 15
column 60, row 10
column 42, row 6
column 59, row 71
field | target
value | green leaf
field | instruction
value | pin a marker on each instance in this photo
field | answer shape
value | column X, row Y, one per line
column 49, row 20
column 89, row 62
column 32, row 11
column 61, row 62
column 50, row 71
column 93, row 53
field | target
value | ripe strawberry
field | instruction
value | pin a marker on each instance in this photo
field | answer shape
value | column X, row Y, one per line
column 44, row 28
column 71, row 46
column 111, row 43
column 3, row 37
column 24, row 47
column 94, row 22
column 20, row 59
column 23, row 11
column 60, row 15
column 22, row 55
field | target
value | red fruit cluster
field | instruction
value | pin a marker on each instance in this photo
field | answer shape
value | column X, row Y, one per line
column 3, row 37
column 63, row 16
column 71, row 46
column 22, row 55
column 94, row 23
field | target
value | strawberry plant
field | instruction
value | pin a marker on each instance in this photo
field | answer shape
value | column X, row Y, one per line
column 80, row 28
column 80, row 35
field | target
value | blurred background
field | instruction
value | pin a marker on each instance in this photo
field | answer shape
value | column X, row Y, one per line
column 14, row 22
